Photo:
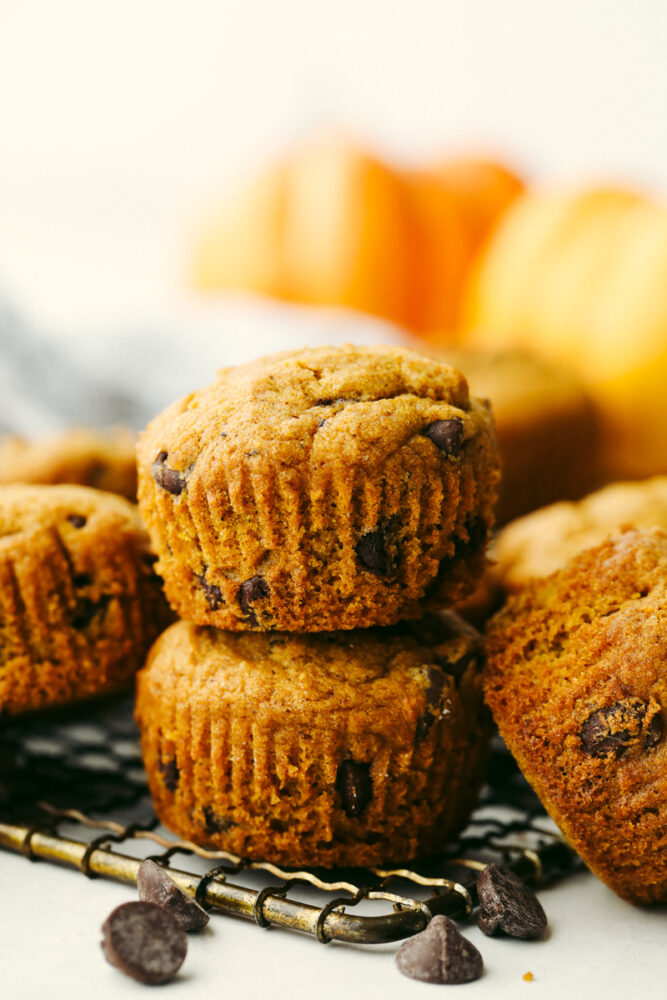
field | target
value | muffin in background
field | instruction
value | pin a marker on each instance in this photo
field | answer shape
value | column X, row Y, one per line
column 327, row 488
column 545, row 423
column 79, row 601
column 544, row 541
column 102, row 459
column 345, row 748
column 576, row 681
column 578, row 276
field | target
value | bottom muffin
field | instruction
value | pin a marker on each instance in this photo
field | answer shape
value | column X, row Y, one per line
column 344, row 748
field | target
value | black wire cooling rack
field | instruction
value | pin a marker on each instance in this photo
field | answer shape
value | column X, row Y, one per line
column 73, row 792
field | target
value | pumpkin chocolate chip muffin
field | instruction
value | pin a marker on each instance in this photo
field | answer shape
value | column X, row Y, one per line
column 103, row 459
column 345, row 748
column 320, row 489
column 543, row 542
column 577, row 681
column 79, row 601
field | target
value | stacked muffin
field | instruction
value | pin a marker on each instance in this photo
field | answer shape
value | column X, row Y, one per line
column 312, row 512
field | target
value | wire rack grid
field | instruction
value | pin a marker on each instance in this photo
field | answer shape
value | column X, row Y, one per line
column 73, row 792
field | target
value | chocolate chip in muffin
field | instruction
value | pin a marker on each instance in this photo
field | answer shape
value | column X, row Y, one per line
column 250, row 591
column 155, row 885
column 214, row 823
column 86, row 609
column 439, row 954
column 447, row 435
column 212, row 593
column 508, row 905
column 76, row 520
column 457, row 668
column 619, row 728
column 168, row 479
column 170, row 773
column 355, row 787
column 654, row 731
column 436, row 684
column 372, row 553
column 144, row 941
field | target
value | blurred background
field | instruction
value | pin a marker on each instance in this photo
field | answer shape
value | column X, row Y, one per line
column 119, row 121
column 131, row 255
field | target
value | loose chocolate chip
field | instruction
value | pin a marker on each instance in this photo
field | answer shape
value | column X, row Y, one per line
column 76, row 520
column 250, row 591
column 156, row 886
column 168, row 479
column 170, row 773
column 436, row 684
column 212, row 593
column 439, row 954
column 82, row 580
column 355, row 786
column 507, row 904
column 372, row 553
column 618, row 728
column 85, row 610
column 144, row 941
column 447, row 435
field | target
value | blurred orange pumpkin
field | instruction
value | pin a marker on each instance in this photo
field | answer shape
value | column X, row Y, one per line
column 334, row 225
column 582, row 279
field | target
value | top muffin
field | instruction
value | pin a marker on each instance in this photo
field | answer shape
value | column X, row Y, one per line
column 320, row 489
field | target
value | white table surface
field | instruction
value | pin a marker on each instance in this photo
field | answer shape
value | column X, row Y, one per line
column 50, row 919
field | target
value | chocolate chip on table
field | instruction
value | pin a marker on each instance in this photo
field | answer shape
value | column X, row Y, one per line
column 168, row 479
column 144, row 941
column 507, row 904
column 619, row 728
column 439, row 954
column 250, row 591
column 76, row 520
column 372, row 553
column 355, row 787
column 447, row 435
column 436, row 684
column 155, row 885
column 170, row 774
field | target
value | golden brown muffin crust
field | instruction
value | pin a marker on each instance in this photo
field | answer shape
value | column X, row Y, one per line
column 577, row 681
column 320, row 489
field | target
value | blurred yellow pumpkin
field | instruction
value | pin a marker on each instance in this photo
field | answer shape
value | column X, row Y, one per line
column 582, row 279
column 333, row 225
